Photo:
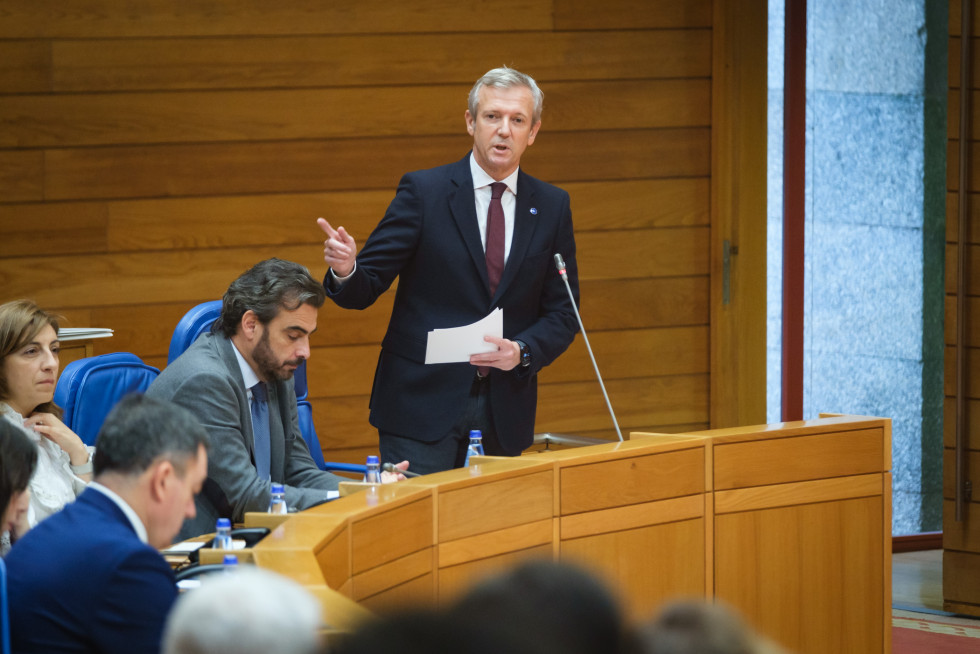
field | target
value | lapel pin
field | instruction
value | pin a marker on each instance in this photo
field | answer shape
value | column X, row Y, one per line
column 534, row 211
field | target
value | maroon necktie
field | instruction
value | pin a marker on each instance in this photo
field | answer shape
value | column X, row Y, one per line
column 495, row 236
column 495, row 244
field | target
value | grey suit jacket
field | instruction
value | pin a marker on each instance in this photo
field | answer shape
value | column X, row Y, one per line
column 207, row 381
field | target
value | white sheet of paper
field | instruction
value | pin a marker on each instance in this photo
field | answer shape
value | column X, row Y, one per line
column 456, row 344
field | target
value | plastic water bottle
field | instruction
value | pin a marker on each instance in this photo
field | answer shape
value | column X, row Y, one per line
column 222, row 536
column 277, row 500
column 230, row 562
column 373, row 473
column 475, row 447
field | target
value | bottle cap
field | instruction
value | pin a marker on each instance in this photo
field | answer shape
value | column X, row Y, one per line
column 230, row 559
column 224, row 522
column 372, row 459
column 476, row 433
column 278, row 488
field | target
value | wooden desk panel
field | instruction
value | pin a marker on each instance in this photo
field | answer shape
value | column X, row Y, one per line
column 486, row 504
column 809, row 576
column 334, row 558
column 633, row 480
column 810, row 456
column 805, row 558
column 455, row 579
column 391, row 534
column 646, row 566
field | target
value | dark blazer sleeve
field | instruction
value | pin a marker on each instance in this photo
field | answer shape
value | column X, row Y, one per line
column 133, row 604
column 386, row 252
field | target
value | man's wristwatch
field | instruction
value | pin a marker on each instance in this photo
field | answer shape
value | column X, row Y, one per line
column 525, row 353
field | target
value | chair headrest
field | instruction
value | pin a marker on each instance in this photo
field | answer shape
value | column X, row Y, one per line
column 89, row 388
column 194, row 323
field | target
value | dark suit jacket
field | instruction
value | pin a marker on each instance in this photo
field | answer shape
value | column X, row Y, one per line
column 207, row 381
column 82, row 581
column 429, row 238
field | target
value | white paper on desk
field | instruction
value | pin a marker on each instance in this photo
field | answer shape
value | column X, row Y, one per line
column 184, row 547
column 456, row 344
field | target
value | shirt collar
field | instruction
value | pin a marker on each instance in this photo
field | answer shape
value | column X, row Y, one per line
column 481, row 178
column 134, row 519
column 248, row 375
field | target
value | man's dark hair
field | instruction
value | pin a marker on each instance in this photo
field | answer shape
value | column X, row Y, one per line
column 18, row 458
column 266, row 288
column 141, row 430
column 559, row 607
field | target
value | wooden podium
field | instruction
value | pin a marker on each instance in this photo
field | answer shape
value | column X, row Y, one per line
column 790, row 523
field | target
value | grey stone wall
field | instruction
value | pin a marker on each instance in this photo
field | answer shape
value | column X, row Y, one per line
column 872, row 273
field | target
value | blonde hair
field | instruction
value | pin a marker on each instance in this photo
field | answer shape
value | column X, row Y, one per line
column 20, row 322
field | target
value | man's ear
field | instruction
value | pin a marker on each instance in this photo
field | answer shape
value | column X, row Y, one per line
column 534, row 132
column 250, row 324
column 161, row 476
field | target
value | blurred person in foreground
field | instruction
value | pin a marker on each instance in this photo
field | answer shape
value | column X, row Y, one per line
column 90, row 578
column 250, row 611
column 18, row 458
column 702, row 627
column 538, row 607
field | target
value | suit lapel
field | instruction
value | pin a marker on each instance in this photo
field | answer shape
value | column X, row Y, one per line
column 226, row 351
column 462, row 204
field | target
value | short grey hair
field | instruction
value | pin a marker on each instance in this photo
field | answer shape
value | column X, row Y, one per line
column 505, row 78
column 249, row 611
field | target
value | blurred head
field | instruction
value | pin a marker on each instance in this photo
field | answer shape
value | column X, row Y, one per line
column 556, row 606
column 503, row 117
column 270, row 312
column 29, row 350
column 251, row 611
column 700, row 627
column 18, row 458
column 427, row 631
column 154, row 454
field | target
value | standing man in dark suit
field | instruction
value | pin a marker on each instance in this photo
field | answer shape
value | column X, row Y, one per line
column 464, row 239
column 89, row 578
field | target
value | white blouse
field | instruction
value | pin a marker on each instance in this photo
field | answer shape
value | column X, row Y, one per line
column 54, row 484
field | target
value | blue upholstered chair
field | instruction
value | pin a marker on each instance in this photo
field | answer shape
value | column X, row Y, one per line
column 194, row 323
column 199, row 320
column 4, row 611
column 89, row 388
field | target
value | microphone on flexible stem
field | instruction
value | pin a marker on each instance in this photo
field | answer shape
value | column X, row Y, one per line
column 560, row 265
column 390, row 467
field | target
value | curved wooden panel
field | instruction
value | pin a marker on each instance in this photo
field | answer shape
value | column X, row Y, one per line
column 807, row 561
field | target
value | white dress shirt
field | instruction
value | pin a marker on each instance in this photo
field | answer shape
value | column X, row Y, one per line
column 482, row 192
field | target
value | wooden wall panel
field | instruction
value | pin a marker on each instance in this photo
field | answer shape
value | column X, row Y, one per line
column 961, row 542
column 361, row 60
column 150, row 154
column 624, row 14
column 25, row 66
column 72, row 120
column 344, row 164
column 103, row 18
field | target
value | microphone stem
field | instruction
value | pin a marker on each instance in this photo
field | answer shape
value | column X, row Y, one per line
column 564, row 278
